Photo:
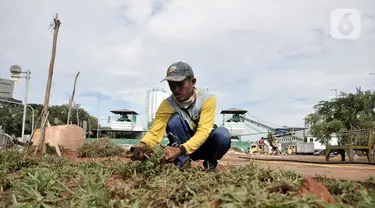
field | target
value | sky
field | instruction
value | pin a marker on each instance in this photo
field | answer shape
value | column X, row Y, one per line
column 276, row 59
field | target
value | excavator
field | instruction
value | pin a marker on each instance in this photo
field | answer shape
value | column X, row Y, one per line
column 258, row 147
column 264, row 147
column 275, row 135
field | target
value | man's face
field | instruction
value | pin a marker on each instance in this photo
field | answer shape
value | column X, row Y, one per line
column 182, row 90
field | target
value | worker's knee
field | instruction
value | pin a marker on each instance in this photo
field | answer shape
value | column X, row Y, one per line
column 175, row 121
column 215, row 147
column 177, row 129
column 221, row 137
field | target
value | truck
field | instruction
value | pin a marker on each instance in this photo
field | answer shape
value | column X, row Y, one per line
column 301, row 148
column 255, row 148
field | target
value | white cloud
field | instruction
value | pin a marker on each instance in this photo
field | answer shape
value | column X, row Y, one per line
column 277, row 54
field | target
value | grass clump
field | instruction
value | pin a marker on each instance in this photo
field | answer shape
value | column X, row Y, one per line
column 100, row 148
column 59, row 182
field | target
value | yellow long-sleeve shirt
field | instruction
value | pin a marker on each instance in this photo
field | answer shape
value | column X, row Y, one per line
column 203, row 130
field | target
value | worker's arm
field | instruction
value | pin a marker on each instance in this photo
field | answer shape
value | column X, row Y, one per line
column 205, row 125
column 156, row 133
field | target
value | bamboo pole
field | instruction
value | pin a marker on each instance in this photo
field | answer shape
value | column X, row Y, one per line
column 42, row 145
column 71, row 99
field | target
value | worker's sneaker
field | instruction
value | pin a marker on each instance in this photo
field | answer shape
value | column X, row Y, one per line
column 218, row 168
column 187, row 164
column 208, row 166
column 182, row 161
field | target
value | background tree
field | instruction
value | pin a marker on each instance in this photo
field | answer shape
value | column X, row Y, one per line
column 11, row 117
column 350, row 111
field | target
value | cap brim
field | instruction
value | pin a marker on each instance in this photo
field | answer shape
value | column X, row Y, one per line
column 174, row 78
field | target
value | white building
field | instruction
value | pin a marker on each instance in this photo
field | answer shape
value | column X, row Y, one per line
column 124, row 120
column 305, row 136
column 154, row 98
column 233, row 121
column 318, row 145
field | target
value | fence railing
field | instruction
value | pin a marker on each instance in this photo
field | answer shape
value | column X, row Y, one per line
column 6, row 141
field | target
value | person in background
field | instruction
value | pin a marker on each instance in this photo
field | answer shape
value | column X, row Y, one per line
column 187, row 116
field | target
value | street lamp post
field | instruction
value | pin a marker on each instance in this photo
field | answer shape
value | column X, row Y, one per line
column 372, row 73
column 32, row 119
column 15, row 71
column 76, row 106
column 335, row 92
column 97, row 115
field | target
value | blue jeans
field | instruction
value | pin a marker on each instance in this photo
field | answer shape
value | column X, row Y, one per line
column 212, row 150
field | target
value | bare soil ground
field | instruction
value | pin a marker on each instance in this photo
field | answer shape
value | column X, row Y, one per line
column 310, row 158
column 354, row 172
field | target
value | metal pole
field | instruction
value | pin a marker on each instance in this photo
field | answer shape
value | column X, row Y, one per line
column 89, row 126
column 373, row 74
column 335, row 92
column 25, row 104
column 77, row 111
column 72, row 98
column 32, row 119
column 97, row 115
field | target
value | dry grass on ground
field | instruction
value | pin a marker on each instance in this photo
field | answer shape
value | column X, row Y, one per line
column 52, row 181
column 100, row 148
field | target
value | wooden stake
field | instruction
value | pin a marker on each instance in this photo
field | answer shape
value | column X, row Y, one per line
column 42, row 145
column 57, row 150
column 42, row 127
column 77, row 111
column 72, row 98
column 32, row 134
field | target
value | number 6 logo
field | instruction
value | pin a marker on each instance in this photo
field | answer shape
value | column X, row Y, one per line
column 345, row 24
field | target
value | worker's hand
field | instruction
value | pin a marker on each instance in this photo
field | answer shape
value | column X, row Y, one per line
column 171, row 153
column 139, row 151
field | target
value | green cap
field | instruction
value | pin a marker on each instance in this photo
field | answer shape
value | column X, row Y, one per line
column 178, row 72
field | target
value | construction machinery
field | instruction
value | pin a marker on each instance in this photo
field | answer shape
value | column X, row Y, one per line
column 301, row 148
column 259, row 147
column 275, row 147
column 256, row 148
column 237, row 120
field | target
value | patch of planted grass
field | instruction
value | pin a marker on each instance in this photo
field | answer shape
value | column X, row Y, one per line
column 100, row 148
column 51, row 181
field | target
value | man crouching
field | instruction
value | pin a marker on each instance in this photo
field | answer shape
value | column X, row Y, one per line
column 187, row 116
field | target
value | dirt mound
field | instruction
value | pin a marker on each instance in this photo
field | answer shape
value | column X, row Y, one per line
column 67, row 136
column 311, row 187
column 236, row 150
column 70, row 154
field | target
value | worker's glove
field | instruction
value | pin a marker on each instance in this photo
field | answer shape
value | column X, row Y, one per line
column 139, row 151
column 172, row 152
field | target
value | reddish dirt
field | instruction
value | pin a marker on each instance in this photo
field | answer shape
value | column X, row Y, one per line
column 344, row 171
column 69, row 153
column 319, row 158
column 112, row 181
column 65, row 195
column 220, row 168
column 216, row 203
column 311, row 187
column 195, row 164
